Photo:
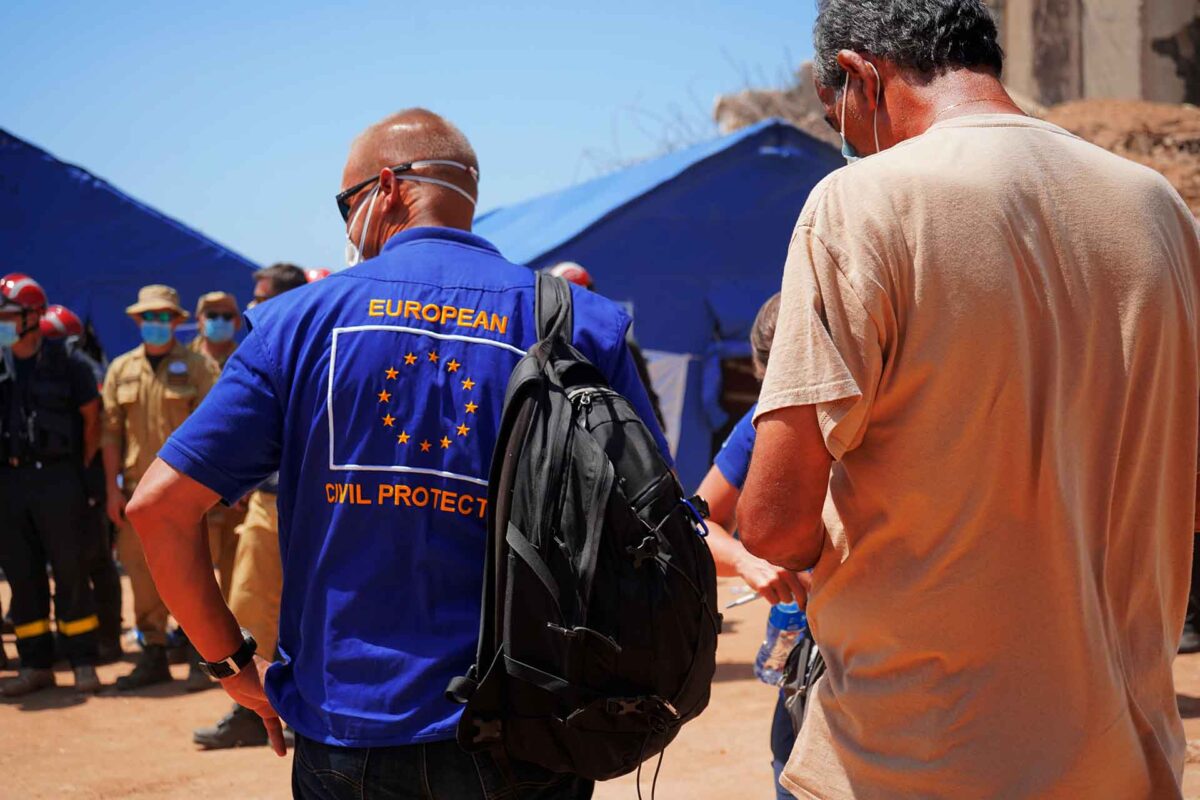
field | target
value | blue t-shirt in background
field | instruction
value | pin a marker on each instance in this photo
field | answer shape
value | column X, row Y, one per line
column 377, row 395
column 733, row 459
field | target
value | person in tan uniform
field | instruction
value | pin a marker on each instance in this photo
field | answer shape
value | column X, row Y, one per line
column 148, row 393
column 257, row 576
column 219, row 320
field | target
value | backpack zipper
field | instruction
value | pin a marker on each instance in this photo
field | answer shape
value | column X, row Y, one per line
column 586, row 394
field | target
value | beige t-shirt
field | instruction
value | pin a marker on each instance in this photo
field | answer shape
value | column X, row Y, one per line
column 998, row 324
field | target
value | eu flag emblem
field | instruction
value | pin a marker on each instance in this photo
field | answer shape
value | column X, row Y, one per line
column 408, row 400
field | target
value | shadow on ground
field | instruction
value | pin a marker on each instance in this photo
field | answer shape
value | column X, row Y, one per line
column 736, row 671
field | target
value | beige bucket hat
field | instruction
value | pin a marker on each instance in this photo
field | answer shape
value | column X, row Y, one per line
column 218, row 301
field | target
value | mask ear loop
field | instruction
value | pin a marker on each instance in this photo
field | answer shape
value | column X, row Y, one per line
column 845, row 98
column 437, row 182
column 362, row 235
column 878, row 95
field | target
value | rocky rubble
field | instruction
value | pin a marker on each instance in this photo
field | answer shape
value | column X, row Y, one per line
column 1163, row 136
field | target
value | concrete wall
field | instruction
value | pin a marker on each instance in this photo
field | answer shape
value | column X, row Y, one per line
column 1171, row 60
column 1113, row 37
column 1062, row 50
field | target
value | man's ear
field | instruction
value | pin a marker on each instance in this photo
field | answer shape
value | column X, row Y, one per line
column 864, row 72
column 389, row 192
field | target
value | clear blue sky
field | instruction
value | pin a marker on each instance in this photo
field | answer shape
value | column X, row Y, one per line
column 235, row 117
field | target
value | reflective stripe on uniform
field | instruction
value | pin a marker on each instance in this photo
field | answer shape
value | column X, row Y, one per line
column 79, row 626
column 29, row 630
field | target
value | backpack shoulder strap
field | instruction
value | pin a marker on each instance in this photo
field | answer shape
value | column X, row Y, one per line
column 554, row 308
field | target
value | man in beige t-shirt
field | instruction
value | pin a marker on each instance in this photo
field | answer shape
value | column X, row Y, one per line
column 980, row 423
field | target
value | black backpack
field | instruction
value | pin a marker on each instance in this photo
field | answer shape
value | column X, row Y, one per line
column 599, row 626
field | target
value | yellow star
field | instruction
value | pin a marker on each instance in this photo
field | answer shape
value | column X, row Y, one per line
column 388, row 420
column 410, row 359
column 391, row 373
column 433, row 356
column 471, row 407
column 385, row 396
column 445, row 443
column 452, row 365
column 468, row 384
column 463, row 430
column 403, row 438
column 425, row 445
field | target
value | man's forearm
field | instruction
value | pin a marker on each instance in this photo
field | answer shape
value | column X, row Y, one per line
column 726, row 551
column 181, row 563
column 781, row 504
column 167, row 512
column 112, row 464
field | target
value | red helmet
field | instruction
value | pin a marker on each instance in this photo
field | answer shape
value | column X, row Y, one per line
column 21, row 293
column 316, row 274
column 59, row 322
column 572, row 273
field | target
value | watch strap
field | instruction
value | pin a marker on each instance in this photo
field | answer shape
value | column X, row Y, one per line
column 232, row 665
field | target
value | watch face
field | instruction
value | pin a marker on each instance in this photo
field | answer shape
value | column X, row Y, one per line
column 209, row 669
column 233, row 664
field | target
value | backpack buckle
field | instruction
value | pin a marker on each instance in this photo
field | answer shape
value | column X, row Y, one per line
column 648, row 549
column 486, row 730
column 699, row 505
column 624, row 706
column 659, row 711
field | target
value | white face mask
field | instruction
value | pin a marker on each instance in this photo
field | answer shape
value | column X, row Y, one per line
column 848, row 150
column 354, row 254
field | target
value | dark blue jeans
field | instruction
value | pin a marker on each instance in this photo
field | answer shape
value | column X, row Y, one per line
column 433, row 771
column 783, row 738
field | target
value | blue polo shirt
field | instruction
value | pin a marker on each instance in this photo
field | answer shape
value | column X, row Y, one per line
column 377, row 395
column 733, row 459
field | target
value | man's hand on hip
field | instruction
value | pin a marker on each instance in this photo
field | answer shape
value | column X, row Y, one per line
column 246, row 689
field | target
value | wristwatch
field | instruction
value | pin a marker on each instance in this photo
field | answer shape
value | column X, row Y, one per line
column 228, row 667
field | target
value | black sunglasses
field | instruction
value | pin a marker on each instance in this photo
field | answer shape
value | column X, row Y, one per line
column 343, row 197
column 228, row 316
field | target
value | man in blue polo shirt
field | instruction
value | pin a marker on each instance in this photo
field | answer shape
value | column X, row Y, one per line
column 377, row 395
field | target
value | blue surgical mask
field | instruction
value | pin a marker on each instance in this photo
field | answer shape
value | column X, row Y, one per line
column 8, row 334
column 849, row 152
column 218, row 331
column 156, row 334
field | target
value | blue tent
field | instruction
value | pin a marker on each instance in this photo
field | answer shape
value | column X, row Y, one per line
column 92, row 247
column 692, row 242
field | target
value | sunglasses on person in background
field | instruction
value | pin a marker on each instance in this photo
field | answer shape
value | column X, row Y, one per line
column 343, row 198
column 228, row 316
column 157, row 316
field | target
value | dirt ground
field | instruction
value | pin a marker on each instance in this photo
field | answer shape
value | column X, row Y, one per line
column 57, row 745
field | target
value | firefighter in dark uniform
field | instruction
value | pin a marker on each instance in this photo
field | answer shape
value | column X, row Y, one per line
column 49, row 428
column 59, row 323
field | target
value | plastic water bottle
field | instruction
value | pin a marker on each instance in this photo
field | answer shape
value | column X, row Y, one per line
column 785, row 625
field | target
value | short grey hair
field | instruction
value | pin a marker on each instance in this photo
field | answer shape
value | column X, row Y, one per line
column 927, row 37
